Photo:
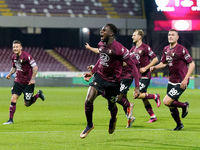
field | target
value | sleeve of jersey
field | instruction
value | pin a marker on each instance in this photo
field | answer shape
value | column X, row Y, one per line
column 132, row 65
column 186, row 56
column 163, row 58
column 13, row 64
column 31, row 61
column 151, row 53
column 95, row 67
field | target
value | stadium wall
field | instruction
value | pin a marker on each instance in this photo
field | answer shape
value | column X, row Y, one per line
column 65, row 22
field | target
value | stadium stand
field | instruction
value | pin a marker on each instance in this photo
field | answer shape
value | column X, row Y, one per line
column 44, row 61
column 73, row 8
column 80, row 58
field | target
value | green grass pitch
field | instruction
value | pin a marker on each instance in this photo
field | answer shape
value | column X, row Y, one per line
column 56, row 123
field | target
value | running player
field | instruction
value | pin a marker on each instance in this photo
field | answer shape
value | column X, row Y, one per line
column 126, row 82
column 146, row 58
column 181, row 66
column 107, row 76
column 26, row 69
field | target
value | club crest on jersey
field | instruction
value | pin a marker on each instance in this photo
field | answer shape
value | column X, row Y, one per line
column 109, row 51
column 21, row 60
column 172, row 54
column 140, row 51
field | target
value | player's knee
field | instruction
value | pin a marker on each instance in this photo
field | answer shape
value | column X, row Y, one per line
column 14, row 99
column 167, row 103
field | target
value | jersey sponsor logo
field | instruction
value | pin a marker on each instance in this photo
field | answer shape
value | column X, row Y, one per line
column 18, row 66
column 28, row 96
column 104, row 59
column 137, row 56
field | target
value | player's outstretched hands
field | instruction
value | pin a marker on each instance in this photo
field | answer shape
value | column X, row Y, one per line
column 136, row 92
column 32, row 81
column 87, row 76
column 8, row 76
column 143, row 69
column 87, row 46
column 89, row 68
column 152, row 68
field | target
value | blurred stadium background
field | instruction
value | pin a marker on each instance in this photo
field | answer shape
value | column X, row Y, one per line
column 55, row 33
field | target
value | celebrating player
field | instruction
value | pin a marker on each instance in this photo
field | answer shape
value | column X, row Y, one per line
column 181, row 66
column 126, row 81
column 107, row 76
column 26, row 69
column 146, row 58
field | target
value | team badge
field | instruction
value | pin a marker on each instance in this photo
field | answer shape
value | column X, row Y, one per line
column 173, row 54
column 140, row 51
column 21, row 60
column 109, row 51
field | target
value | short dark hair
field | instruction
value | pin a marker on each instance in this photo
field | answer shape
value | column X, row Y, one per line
column 174, row 30
column 17, row 42
column 113, row 28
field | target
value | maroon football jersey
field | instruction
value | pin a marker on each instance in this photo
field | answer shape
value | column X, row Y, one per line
column 178, row 59
column 23, row 64
column 111, row 62
column 144, row 55
column 127, row 71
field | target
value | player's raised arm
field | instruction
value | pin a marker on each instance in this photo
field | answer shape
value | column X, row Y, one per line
column 95, row 50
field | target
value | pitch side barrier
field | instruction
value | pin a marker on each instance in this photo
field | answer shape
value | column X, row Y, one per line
column 70, row 79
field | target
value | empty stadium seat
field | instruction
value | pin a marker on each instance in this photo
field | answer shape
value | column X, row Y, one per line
column 80, row 8
column 80, row 58
column 44, row 61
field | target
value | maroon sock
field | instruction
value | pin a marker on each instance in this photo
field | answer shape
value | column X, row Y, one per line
column 88, row 114
column 34, row 98
column 178, row 104
column 12, row 110
column 124, row 102
column 150, row 96
column 149, row 110
column 175, row 115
